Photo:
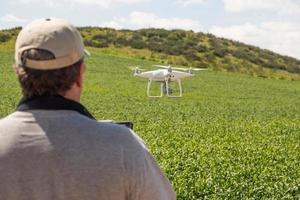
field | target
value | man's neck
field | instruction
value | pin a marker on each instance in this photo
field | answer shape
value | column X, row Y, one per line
column 73, row 94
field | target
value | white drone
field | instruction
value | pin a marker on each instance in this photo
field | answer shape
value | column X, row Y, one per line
column 165, row 76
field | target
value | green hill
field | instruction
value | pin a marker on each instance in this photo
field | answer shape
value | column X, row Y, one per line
column 186, row 48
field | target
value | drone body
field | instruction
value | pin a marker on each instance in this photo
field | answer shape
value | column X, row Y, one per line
column 165, row 76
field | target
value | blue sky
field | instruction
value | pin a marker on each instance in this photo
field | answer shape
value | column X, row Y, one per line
column 269, row 24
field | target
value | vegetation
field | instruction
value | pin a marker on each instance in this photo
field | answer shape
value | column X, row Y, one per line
column 178, row 47
column 231, row 136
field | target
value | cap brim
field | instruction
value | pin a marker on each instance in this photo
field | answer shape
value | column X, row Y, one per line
column 86, row 52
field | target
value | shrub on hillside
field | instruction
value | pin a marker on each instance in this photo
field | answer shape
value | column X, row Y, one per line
column 137, row 41
column 190, row 54
column 4, row 37
column 201, row 48
column 220, row 52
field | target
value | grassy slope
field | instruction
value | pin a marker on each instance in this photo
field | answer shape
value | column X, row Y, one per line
column 229, row 136
column 184, row 48
column 216, row 53
column 228, row 64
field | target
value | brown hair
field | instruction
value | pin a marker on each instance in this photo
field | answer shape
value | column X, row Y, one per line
column 45, row 82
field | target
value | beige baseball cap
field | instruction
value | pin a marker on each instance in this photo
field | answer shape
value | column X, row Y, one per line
column 58, row 36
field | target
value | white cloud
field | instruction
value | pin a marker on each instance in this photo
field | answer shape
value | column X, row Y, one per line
column 191, row 2
column 132, row 1
column 142, row 19
column 278, row 6
column 12, row 18
column 111, row 24
column 281, row 37
column 50, row 3
column 146, row 20
column 109, row 3
column 101, row 3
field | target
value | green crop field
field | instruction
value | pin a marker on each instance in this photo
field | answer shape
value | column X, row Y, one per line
column 231, row 136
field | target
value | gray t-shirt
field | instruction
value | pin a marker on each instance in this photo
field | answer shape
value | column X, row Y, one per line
column 56, row 155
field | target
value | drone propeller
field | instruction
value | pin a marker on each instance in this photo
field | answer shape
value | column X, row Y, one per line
column 136, row 70
column 169, row 67
column 180, row 68
column 163, row 66
column 197, row 69
column 133, row 68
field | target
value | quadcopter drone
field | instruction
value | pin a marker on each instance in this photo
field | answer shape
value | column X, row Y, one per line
column 165, row 75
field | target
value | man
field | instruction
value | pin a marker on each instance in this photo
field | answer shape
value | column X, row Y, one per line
column 51, row 147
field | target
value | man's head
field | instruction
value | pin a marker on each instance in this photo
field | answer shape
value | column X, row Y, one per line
column 49, row 59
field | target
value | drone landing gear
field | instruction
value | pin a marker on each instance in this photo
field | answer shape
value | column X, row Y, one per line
column 149, row 87
column 165, row 89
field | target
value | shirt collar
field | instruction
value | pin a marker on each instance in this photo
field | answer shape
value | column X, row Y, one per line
column 56, row 102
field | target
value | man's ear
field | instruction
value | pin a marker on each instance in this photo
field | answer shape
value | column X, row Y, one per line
column 18, row 70
column 79, row 80
column 15, row 69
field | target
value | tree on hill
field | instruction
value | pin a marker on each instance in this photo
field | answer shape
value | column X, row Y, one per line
column 4, row 37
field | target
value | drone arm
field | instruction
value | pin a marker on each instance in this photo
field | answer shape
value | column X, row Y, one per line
column 148, row 87
column 167, row 86
column 180, row 87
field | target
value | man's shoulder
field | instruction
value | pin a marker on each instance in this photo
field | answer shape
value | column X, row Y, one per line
column 71, row 123
column 71, row 131
column 117, row 134
column 7, row 119
column 58, row 119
